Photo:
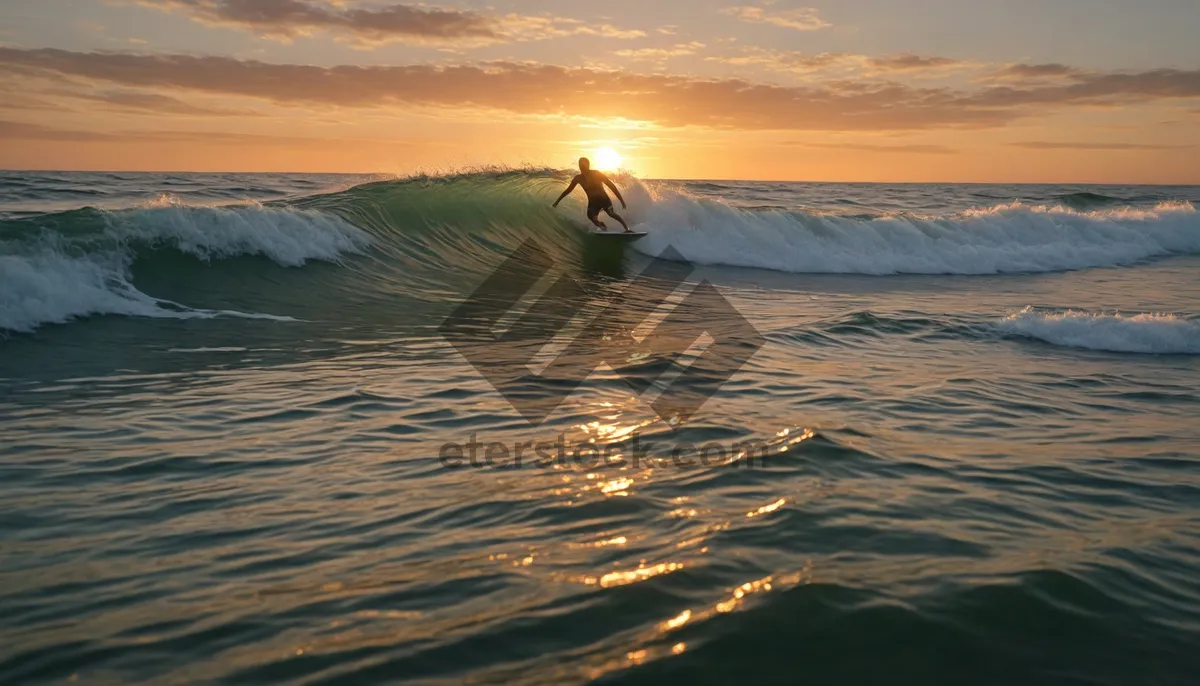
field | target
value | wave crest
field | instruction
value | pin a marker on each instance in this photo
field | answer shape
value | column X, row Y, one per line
column 287, row 236
column 1010, row 238
column 55, row 268
column 1140, row 333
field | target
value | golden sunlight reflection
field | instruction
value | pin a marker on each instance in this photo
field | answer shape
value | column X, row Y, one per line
column 703, row 536
column 634, row 575
column 678, row 620
column 639, row 652
column 619, row 486
column 602, row 432
column 598, row 484
column 803, row 436
column 767, row 509
column 619, row 540
column 739, row 593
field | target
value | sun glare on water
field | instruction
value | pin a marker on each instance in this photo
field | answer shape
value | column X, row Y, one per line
column 607, row 159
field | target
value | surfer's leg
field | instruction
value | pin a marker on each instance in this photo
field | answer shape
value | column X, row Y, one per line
column 593, row 215
column 616, row 216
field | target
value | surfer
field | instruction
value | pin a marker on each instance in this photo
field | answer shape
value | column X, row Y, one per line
column 593, row 183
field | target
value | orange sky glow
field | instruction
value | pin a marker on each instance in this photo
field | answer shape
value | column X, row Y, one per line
column 853, row 91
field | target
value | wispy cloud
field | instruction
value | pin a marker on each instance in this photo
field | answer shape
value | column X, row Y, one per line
column 807, row 63
column 911, row 148
column 679, row 50
column 21, row 102
column 655, row 99
column 370, row 25
column 147, row 102
column 801, row 19
column 1071, row 145
column 1035, row 71
column 15, row 130
column 913, row 62
column 791, row 61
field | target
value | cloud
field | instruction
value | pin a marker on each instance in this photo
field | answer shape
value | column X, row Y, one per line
column 912, row 62
column 147, row 102
column 656, row 99
column 679, row 50
column 1036, row 71
column 19, row 101
column 791, row 61
column 1067, row 145
column 373, row 25
column 1096, row 89
column 804, row 63
column 913, row 148
column 801, row 19
column 13, row 130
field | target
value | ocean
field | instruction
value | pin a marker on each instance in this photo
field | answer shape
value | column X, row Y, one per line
column 950, row 433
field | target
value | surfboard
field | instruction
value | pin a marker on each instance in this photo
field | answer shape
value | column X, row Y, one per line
column 619, row 234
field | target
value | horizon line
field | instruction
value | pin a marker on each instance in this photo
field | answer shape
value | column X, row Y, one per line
column 647, row 178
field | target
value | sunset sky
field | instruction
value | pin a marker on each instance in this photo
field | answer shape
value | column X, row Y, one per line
column 855, row 90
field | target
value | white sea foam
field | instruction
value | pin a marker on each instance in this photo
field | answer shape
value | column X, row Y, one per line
column 287, row 236
column 47, row 287
column 1140, row 333
column 55, row 278
column 1009, row 238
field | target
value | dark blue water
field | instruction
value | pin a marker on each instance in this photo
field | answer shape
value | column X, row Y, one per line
column 968, row 449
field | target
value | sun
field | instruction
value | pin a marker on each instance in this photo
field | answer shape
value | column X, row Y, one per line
column 607, row 159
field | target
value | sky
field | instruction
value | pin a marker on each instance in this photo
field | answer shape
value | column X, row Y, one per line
column 1053, row 91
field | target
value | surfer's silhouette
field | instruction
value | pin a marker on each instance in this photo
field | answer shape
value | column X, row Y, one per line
column 593, row 183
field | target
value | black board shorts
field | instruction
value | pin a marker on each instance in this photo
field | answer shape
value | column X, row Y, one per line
column 596, row 205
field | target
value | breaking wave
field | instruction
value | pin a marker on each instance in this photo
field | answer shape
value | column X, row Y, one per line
column 1138, row 333
column 419, row 235
column 1009, row 238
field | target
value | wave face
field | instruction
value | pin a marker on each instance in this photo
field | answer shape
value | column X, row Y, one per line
column 1008, row 238
column 407, row 238
column 1140, row 333
column 287, row 236
column 78, row 263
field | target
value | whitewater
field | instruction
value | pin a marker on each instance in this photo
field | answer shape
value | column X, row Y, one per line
column 226, row 400
column 76, row 262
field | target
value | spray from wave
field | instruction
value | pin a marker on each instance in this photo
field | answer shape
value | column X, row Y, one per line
column 1140, row 333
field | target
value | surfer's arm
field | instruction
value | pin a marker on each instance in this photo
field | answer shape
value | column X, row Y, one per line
column 574, row 183
column 610, row 184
